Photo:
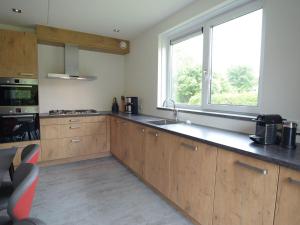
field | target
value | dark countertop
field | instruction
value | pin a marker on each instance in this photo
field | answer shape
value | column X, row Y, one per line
column 99, row 113
column 228, row 140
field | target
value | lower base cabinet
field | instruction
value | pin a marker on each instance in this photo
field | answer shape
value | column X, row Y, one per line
column 192, row 179
column 245, row 192
column 212, row 186
column 158, row 146
column 74, row 137
column 136, row 136
column 288, row 198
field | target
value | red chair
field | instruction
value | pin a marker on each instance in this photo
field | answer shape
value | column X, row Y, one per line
column 20, row 194
column 30, row 221
column 30, row 154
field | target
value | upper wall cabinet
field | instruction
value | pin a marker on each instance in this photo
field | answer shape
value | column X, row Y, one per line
column 18, row 54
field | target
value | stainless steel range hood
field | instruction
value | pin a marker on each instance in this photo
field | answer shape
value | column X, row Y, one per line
column 71, row 66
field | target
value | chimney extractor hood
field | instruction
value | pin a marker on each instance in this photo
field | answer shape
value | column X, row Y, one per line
column 71, row 66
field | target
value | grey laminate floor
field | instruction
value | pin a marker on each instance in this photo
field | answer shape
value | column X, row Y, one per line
column 99, row 192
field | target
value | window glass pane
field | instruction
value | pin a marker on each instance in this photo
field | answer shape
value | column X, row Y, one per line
column 186, row 70
column 236, row 47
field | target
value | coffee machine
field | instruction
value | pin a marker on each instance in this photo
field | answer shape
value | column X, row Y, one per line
column 267, row 130
column 131, row 105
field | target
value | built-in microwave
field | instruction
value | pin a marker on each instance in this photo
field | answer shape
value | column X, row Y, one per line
column 18, row 95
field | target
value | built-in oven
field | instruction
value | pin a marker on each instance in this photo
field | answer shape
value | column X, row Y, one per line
column 19, row 127
column 18, row 95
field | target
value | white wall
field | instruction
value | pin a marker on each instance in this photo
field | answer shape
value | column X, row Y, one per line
column 281, row 76
column 73, row 94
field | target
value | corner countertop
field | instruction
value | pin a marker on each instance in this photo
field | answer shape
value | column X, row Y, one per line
column 228, row 140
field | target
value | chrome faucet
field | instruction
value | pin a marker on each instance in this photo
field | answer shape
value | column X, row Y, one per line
column 175, row 110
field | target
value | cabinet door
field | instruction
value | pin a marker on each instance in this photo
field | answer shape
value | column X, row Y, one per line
column 18, row 54
column 136, row 134
column 288, row 198
column 157, row 159
column 119, row 139
column 245, row 190
column 193, row 169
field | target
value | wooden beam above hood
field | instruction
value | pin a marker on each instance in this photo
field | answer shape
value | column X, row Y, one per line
column 60, row 37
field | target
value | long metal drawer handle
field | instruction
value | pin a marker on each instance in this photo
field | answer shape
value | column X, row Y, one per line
column 190, row 147
column 293, row 181
column 15, row 85
column 26, row 74
column 75, row 140
column 255, row 169
column 17, row 116
column 74, row 120
column 153, row 133
column 72, row 127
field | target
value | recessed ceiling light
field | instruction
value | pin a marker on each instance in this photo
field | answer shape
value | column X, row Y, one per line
column 15, row 10
column 117, row 30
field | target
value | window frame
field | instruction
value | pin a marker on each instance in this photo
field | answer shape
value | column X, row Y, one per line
column 217, row 16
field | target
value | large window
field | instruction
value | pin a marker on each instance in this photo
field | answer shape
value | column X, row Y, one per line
column 216, row 65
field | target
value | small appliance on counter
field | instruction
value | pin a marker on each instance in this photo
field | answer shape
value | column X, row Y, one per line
column 131, row 105
column 288, row 136
column 267, row 130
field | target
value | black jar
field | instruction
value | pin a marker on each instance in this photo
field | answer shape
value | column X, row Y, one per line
column 288, row 136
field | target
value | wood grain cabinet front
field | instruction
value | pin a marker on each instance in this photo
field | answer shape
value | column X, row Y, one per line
column 70, row 137
column 136, row 136
column 192, row 179
column 158, row 146
column 119, row 139
column 18, row 54
column 245, row 191
column 288, row 198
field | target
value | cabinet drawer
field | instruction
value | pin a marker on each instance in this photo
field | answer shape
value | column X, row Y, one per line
column 61, row 148
column 71, row 120
column 50, row 131
column 79, row 119
column 82, row 129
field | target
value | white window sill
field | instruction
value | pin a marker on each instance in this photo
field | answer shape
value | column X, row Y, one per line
column 229, row 115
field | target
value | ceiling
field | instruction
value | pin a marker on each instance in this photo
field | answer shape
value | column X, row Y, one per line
column 93, row 16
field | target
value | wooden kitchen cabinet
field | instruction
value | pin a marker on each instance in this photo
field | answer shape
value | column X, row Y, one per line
column 288, row 198
column 70, row 137
column 119, row 139
column 192, row 179
column 158, row 146
column 18, row 54
column 136, row 136
column 245, row 191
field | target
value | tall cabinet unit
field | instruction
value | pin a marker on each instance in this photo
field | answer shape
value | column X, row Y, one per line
column 18, row 54
column 245, row 191
column 192, row 179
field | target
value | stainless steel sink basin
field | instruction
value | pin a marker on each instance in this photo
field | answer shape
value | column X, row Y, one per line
column 163, row 122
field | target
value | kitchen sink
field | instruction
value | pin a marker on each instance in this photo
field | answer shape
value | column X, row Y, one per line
column 163, row 122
